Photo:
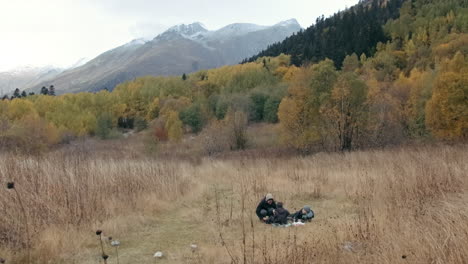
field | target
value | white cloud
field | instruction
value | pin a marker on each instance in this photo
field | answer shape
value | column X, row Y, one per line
column 147, row 30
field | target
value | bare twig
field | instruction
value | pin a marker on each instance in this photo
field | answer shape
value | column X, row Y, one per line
column 253, row 238
column 218, row 218
column 104, row 255
column 11, row 185
column 244, row 248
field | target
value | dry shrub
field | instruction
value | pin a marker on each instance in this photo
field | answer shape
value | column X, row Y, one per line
column 236, row 125
column 263, row 136
column 160, row 131
column 29, row 135
column 228, row 134
column 215, row 138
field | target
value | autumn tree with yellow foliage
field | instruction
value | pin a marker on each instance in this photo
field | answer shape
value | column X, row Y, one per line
column 447, row 110
column 299, row 113
column 346, row 110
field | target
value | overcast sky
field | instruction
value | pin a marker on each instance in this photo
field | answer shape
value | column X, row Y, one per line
column 61, row 32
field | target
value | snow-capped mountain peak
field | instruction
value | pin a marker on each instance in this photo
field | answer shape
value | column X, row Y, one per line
column 188, row 30
column 238, row 29
column 289, row 22
column 181, row 49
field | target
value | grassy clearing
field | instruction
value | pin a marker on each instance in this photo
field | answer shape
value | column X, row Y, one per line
column 390, row 206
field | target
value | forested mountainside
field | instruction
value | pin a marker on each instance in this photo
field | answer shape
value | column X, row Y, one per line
column 355, row 30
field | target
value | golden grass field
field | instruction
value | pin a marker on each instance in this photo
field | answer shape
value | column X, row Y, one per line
column 401, row 205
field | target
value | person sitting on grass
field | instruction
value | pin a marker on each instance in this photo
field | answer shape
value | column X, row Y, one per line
column 280, row 215
column 265, row 208
column 304, row 215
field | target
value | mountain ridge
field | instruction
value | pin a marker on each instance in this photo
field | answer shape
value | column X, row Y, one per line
column 183, row 48
column 25, row 76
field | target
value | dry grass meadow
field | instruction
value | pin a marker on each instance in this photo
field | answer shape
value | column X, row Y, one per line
column 404, row 205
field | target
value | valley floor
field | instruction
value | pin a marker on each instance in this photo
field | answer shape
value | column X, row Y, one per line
column 192, row 220
column 403, row 205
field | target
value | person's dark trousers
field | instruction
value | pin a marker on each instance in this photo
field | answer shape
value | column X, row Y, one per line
column 264, row 212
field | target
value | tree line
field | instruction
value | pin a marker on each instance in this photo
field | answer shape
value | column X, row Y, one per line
column 17, row 93
column 413, row 88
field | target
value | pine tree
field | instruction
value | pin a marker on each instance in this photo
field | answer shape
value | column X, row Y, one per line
column 44, row 90
column 52, row 90
column 17, row 93
column 184, row 77
column 24, row 94
column 357, row 29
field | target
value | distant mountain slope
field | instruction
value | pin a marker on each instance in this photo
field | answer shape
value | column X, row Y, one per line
column 356, row 30
column 180, row 49
column 25, row 77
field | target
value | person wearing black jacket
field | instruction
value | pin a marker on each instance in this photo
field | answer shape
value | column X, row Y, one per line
column 304, row 215
column 265, row 207
column 280, row 215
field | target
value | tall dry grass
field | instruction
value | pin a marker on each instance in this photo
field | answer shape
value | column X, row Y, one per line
column 72, row 191
column 404, row 205
column 394, row 206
